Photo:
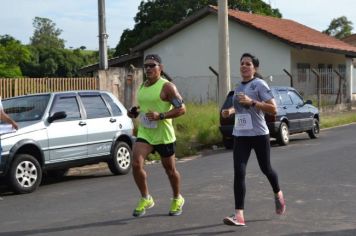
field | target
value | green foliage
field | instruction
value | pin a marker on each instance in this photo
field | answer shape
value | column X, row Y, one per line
column 336, row 119
column 47, row 56
column 197, row 129
column 12, row 54
column 44, row 57
column 55, row 62
column 10, row 71
column 155, row 16
column 46, row 34
column 339, row 27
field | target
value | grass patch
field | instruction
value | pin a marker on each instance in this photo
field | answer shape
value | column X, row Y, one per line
column 197, row 129
column 336, row 119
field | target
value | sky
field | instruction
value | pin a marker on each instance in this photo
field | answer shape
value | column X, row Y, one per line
column 78, row 19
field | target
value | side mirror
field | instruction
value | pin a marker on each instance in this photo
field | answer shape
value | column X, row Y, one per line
column 57, row 116
column 309, row 102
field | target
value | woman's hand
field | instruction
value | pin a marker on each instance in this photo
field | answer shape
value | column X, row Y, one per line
column 227, row 112
column 244, row 99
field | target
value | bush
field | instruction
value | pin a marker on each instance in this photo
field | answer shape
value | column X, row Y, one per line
column 197, row 129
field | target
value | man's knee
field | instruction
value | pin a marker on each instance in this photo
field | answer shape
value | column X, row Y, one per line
column 171, row 172
column 137, row 162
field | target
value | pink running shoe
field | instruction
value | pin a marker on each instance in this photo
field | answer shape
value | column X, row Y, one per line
column 232, row 220
column 280, row 204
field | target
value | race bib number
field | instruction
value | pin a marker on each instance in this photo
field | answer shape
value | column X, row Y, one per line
column 147, row 123
column 243, row 122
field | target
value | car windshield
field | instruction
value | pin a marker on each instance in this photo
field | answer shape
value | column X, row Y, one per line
column 26, row 108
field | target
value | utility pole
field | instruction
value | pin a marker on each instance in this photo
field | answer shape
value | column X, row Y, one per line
column 224, row 52
column 103, row 50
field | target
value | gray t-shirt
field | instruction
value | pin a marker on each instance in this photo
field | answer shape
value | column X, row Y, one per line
column 251, row 121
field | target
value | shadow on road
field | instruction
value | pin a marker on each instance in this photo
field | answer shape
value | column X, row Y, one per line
column 46, row 180
column 184, row 231
column 211, row 229
column 345, row 232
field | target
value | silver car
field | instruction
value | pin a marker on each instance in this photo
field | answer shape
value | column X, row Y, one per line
column 61, row 130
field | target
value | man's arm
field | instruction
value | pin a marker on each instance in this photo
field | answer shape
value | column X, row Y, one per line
column 7, row 119
column 171, row 94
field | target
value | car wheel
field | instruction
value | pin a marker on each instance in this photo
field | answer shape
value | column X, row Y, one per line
column 228, row 142
column 314, row 132
column 283, row 134
column 25, row 174
column 121, row 159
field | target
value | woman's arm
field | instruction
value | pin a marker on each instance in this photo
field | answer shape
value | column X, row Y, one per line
column 269, row 106
column 227, row 112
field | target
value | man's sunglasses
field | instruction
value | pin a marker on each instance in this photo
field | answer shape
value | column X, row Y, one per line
column 150, row 65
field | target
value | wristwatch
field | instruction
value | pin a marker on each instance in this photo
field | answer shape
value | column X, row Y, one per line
column 161, row 116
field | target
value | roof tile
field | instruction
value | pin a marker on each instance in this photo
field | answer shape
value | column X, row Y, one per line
column 290, row 31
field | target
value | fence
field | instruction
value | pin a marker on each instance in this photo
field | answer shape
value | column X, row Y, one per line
column 122, row 82
column 10, row 87
column 326, row 85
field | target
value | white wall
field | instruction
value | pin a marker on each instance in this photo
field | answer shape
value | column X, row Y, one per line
column 316, row 57
column 274, row 55
column 354, row 81
column 188, row 54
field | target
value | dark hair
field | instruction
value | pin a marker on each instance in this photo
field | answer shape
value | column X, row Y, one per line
column 255, row 62
column 154, row 57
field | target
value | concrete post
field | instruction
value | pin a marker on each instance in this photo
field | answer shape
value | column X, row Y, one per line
column 348, row 77
column 224, row 52
column 103, row 53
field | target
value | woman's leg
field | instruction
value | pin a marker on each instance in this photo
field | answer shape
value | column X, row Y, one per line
column 263, row 152
column 242, row 151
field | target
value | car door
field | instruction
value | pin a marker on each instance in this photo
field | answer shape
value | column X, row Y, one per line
column 67, row 137
column 289, row 110
column 102, row 126
column 304, row 115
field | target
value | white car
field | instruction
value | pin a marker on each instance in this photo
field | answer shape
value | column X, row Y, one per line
column 61, row 130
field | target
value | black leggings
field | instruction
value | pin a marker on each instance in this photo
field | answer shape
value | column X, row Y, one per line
column 242, row 151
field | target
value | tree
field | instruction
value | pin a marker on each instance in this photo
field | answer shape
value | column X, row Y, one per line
column 46, row 34
column 155, row 16
column 56, row 62
column 12, row 54
column 49, row 58
column 339, row 27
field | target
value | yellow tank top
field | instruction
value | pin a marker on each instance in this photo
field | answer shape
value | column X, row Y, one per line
column 155, row 132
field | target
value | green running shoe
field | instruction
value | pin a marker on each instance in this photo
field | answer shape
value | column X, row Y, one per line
column 143, row 204
column 176, row 206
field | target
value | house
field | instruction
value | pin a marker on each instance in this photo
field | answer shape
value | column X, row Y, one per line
column 288, row 53
column 351, row 39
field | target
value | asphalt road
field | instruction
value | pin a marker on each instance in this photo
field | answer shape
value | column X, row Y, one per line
column 317, row 177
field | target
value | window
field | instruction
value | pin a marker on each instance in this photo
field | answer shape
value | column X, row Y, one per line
column 27, row 108
column 326, row 79
column 303, row 71
column 114, row 108
column 95, row 106
column 68, row 104
column 286, row 100
column 342, row 70
column 276, row 97
column 296, row 98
